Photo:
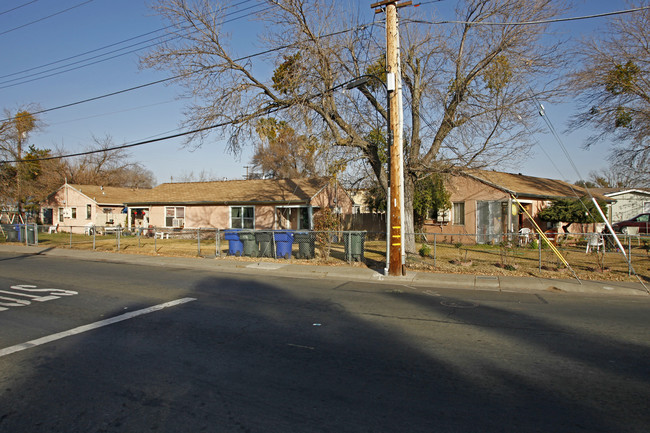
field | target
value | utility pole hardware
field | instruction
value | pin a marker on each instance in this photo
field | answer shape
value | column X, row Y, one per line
column 395, row 206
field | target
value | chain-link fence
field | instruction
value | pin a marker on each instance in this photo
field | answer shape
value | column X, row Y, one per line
column 590, row 255
column 348, row 246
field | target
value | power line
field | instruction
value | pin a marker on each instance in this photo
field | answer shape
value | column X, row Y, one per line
column 164, row 80
column 107, row 46
column 260, row 112
column 524, row 23
column 45, row 18
column 24, row 81
column 18, row 7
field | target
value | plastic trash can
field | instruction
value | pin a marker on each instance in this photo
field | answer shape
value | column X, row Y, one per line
column 283, row 243
column 12, row 232
column 235, row 245
column 354, row 245
column 249, row 243
column 31, row 233
column 265, row 241
column 305, row 241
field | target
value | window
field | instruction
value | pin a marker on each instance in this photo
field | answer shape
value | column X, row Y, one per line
column 174, row 216
column 73, row 213
column 242, row 217
column 459, row 214
column 60, row 214
column 89, row 211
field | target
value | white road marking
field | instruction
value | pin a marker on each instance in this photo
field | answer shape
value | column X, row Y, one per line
column 90, row 327
column 15, row 303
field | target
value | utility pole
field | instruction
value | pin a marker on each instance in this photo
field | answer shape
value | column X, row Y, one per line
column 394, row 84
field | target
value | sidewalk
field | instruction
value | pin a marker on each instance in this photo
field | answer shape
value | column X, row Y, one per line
column 347, row 273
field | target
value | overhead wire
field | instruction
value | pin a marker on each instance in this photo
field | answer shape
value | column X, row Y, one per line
column 102, row 47
column 22, row 80
column 525, row 23
column 45, row 18
column 176, row 77
column 18, row 7
column 264, row 112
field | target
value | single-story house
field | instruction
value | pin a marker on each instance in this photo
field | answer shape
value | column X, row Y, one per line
column 482, row 204
column 254, row 204
column 629, row 203
column 77, row 207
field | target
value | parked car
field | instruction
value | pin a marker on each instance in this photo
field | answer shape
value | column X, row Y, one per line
column 641, row 221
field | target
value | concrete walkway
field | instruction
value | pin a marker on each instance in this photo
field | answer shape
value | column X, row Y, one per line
column 346, row 273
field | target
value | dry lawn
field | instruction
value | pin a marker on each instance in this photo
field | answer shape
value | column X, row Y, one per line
column 442, row 258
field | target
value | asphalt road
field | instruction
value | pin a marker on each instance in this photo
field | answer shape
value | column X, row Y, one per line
column 236, row 353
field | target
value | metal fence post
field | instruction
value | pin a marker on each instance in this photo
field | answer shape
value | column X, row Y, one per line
column 36, row 234
column 217, row 244
column 94, row 237
column 155, row 247
column 629, row 255
column 539, row 247
column 117, row 238
column 70, row 236
column 198, row 241
column 435, row 252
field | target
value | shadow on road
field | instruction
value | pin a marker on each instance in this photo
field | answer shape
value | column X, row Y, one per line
column 256, row 357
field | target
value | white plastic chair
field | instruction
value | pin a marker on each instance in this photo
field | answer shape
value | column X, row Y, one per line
column 524, row 236
column 594, row 240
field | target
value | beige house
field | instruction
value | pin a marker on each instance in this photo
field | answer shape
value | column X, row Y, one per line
column 254, row 204
column 483, row 204
column 630, row 202
column 77, row 207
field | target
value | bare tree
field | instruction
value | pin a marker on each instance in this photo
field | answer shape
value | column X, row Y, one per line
column 282, row 152
column 614, row 87
column 468, row 86
column 107, row 167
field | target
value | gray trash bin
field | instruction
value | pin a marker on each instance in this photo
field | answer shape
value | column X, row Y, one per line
column 250, row 244
column 354, row 245
column 12, row 233
column 265, row 242
column 305, row 241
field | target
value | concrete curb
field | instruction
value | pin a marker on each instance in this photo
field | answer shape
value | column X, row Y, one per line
column 347, row 273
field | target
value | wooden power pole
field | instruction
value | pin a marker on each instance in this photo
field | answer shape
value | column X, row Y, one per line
column 395, row 206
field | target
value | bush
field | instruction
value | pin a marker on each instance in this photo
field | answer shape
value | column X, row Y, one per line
column 425, row 250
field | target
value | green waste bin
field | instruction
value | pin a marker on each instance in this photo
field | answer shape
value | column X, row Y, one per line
column 305, row 241
column 250, row 245
column 265, row 242
column 31, row 234
column 354, row 245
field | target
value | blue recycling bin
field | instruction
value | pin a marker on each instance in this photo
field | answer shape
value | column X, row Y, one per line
column 283, row 243
column 235, row 245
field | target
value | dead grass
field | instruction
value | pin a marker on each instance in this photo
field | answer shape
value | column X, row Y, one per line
column 444, row 258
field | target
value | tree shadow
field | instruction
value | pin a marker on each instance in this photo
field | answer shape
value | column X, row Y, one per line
column 251, row 355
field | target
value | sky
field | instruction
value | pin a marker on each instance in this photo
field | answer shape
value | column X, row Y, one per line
column 58, row 52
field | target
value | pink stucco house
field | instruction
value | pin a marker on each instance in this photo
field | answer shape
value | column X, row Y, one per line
column 482, row 204
column 75, row 207
column 255, row 204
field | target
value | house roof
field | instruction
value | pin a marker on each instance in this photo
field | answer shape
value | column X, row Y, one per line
column 109, row 194
column 233, row 191
column 613, row 192
column 528, row 186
